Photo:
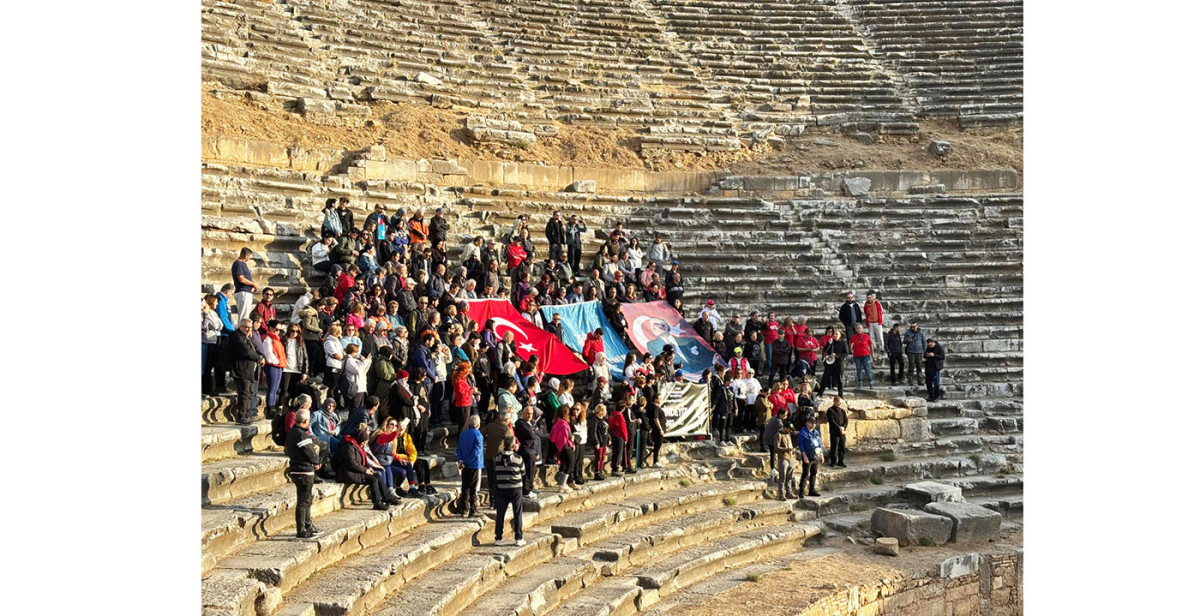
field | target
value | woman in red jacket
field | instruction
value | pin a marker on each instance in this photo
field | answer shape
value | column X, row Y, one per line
column 619, row 433
column 464, row 393
column 592, row 345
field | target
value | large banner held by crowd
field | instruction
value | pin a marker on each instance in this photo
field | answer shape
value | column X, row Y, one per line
column 578, row 320
column 554, row 357
column 686, row 407
column 653, row 325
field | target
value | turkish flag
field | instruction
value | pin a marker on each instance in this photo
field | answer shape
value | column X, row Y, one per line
column 553, row 356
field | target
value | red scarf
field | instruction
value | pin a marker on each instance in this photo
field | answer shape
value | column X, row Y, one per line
column 277, row 348
column 357, row 447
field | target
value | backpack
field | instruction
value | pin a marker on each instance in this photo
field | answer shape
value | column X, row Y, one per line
column 278, row 436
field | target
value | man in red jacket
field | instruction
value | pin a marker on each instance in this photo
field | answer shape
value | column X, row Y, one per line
column 593, row 344
column 873, row 311
column 861, row 347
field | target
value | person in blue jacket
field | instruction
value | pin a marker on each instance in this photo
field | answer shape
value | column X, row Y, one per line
column 470, row 460
column 811, row 453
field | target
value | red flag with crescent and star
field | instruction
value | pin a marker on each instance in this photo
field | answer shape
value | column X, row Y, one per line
column 554, row 357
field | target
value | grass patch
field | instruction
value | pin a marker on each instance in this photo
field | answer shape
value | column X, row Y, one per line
column 729, row 501
column 888, row 457
column 877, row 480
column 685, row 482
column 753, row 577
column 859, row 507
column 975, row 458
column 926, row 542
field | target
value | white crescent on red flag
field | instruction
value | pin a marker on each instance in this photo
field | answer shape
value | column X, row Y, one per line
column 553, row 356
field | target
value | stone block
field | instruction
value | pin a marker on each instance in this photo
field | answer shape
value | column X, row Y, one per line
column 863, row 138
column 971, row 522
column 914, row 429
column 376, row 152
column 424, row 77
column 939, row 148
column 448, row 167
column 856, row 187
column 888, row 546
column 582, row 186
column 934, row 492
column 958, row 566
column 911, row 527
column 882, row 430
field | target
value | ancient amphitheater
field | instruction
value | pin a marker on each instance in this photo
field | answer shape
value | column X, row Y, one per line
column 786, row 151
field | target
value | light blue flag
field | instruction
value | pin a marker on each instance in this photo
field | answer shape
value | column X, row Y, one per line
column 578, row 320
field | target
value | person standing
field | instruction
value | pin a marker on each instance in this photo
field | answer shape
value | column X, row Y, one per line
column 599, row 436
column 243, row 284
column 530, row 447
column 861, row 346
column 556, row 234
column 873, row 311
column 832, row 356
column 211, row 328
column 303, row 464
column 935, row 359
column 510, row 469
column 850, row 314
column 725, row 409
column 574, row 234
column 469, row 455
column 914, row 348
column 810, row 455
column 770, row 333
column 839, row 421
column 893, row 343
column 493, row 439
column 784, row 450
column 246, row 360
column 619, row 432
column 439, row 227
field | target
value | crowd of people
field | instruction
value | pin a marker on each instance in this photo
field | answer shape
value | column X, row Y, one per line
column 386, row 333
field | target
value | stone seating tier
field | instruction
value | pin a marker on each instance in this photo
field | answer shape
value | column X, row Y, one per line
column 791, row 63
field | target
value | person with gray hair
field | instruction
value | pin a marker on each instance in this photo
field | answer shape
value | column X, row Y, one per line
column 469, row 455
column 303, row 463
column 510, row 474
column 246, row 360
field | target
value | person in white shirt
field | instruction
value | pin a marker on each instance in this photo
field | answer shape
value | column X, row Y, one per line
column 637, row 256
column 335, row 355
column 306, row 299
column 320, row 254
column 746, row 390
column 356, row 376
column 710, row 312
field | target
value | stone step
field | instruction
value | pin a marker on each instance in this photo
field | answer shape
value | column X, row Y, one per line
column 363, row 581
column 222, row 441
column 226, row 528
column 234, row 478
column 544, row 587
column 283, row 561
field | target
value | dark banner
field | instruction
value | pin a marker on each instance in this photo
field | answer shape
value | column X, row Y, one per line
column 686, row 407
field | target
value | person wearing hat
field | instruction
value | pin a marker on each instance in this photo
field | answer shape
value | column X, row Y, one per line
column 784, row 450
column 935, row 359
column 710, row 310
column 850, row 314
column 811, row 452
column 439, row 227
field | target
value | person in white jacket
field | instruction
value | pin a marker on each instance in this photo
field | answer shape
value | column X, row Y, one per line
column 335, row 356
column 320, row 254
column 210, row 334
column 356, row 376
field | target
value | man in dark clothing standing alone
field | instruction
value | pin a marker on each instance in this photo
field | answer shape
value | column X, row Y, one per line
column 246, row 360
column 556, row 234
column 935, row 358
column 850, row 314
column 839, row 420
column 303, row 464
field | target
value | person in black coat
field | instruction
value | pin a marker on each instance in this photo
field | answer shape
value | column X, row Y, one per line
column 850, row 314
column 935, row 359
column 893, row 343
column 839, row 420
column 303, row 464
column 724, row 409
column 246, row 360
column 352, row 467
column 837, row 350
column 556, row 234
column 531, row 446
